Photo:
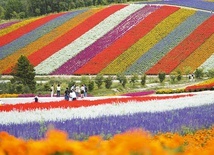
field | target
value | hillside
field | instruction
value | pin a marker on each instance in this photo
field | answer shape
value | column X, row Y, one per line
column 124, row 38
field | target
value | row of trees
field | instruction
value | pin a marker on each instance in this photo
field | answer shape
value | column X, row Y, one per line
column 18, row 9
column 23, row 80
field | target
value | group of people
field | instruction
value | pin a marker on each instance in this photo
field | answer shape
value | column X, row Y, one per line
column 191, row 77
column 76, row 92
column 58, row 89
column 71, row 94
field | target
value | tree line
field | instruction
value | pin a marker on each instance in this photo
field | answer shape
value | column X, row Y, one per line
column 20, row 9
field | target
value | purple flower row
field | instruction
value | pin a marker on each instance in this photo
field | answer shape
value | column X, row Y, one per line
column 152, row 56
column 199, row 4
column 84, row 56
column 168, row 121
column 36, row 34
column 4, row 25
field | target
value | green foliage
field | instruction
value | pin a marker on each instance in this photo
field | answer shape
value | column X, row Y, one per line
column 210, row 73
column 179, row 75
column 124, row 82
column 13, row 9
column 2, row 13
column 122, row 79
column 161, row 76
column 24, row 73
column 134, row 78
column 199, row 73
column 172, row 77
column 91, row 85
column 99, row 80
column 85, row 80
column 143, row 80
column 108, row 82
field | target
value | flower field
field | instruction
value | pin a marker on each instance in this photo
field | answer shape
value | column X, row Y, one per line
column 166, row 124
column 124, row 38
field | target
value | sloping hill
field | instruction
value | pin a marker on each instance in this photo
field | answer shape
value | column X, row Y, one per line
column 125, row 38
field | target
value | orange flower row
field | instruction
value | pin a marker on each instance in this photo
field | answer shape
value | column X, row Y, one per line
column 131, row 142
column 198, row 57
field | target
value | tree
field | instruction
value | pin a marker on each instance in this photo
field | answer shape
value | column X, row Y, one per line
column 122, row 79
column 161, row 76
column 108, row 82
column 2, row 12
column 199, row 73
column 99, row 80
column 24, row 73
column 134, row 79
column 91, row 85
column 143, row 80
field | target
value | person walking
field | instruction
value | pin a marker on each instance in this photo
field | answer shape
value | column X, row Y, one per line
column 52, row 90
column 82, row 91
column 58, row 88
column 67, row 94
column 86, row 90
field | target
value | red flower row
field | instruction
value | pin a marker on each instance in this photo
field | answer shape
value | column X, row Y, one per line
column 80, row 103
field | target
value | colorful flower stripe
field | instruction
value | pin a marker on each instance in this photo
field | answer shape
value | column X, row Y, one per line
column 97, row 109
column 121, row 63
column 198, row 57
column 4, row 25
column 205, row 85
column 209, row 63
column 73, row 34
column 184, row 49
column 152, row 56
column 193, row 112
column 199, row 4
column 36, row 33
column 33, row 50
column 105, row 41
column 17, row 26
column 101, row 60
column 59, row 58
column 88, row 102
column 9, row 37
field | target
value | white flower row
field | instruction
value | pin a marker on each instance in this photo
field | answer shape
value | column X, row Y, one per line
column 69, row 51
column 118, row 109
column 208, row 64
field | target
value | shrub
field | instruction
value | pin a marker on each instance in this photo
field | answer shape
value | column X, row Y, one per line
column 91, row 85
column 99, row 80
column 143, row 80
column 161, row 76
column 108, row 82
column 199, row 73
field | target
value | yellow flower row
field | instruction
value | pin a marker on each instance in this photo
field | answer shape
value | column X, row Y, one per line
column 46, row 39
column 206, row 82
column 170, row 91
column 17, row 26
column 132, row 142
column 8, row 95
column 199, row 56
column 144, row 44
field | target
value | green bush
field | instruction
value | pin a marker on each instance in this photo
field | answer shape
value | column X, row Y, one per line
column 108, row 82
column 161, row 76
